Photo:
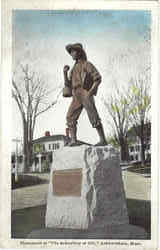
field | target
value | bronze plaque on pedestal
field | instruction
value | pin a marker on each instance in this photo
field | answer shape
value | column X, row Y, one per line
column 67, row 182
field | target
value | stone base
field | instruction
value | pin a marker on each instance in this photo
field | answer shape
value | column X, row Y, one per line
column 86, row 189
column 112, row 232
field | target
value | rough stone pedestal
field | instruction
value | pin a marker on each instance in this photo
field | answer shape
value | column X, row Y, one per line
column 86, row 189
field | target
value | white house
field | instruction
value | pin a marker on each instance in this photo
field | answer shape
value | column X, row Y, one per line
column 135, row 151
column 43, row 151
column 135, row 145
column 44, row 148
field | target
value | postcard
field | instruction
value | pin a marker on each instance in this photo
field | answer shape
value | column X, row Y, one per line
column 79, row 125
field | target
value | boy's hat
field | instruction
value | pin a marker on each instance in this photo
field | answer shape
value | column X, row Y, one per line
column 75, row 46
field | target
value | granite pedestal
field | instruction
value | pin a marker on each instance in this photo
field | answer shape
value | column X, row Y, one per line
column 86, row 189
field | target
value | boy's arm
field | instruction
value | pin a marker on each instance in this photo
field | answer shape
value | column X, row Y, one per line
column 67, row 81
column 94, row 87
column 96, row 79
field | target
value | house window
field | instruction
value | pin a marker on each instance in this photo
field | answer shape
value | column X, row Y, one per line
column 55, row 146
column 148, row 146
column 131, row 158
column 148, row 157
column 137, row 148
column 50, row 158
column 49, row 146
column 43, row 147
column 131, row 149
column 20, row 159
column 136, row 157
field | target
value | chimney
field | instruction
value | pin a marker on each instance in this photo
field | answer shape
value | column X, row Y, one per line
column 47, row 133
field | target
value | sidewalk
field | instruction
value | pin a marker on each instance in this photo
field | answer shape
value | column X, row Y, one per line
column 31, row 196
column 136, row 187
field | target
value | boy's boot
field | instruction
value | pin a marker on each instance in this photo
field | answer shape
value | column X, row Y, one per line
column 101, row 134
column 73, row 134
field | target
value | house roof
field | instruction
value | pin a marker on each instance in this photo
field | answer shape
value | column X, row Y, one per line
column 50, row 138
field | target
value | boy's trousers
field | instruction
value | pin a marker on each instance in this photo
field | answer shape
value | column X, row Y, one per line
column 82, row 100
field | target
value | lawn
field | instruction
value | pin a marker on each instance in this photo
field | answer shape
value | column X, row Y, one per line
column 26, row 220
column 139, row 169
column 25, row 180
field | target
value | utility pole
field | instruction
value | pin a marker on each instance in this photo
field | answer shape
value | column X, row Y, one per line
column 16, row 157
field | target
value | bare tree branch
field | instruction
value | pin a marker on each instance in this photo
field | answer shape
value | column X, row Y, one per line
column 29, row 95
column 49, row 106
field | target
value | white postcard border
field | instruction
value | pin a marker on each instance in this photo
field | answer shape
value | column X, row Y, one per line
column 6, row 125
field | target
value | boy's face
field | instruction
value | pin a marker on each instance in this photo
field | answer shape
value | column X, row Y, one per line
column 74, row 54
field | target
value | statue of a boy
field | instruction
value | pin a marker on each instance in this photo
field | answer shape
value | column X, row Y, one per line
column 82, row 84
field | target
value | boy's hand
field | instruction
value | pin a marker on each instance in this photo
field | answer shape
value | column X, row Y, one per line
column 87, row 94
column 93, row 88
column 90, row 93
column 66, row 68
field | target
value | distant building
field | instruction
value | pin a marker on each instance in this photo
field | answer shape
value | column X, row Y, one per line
column 43, row 149
column 43, row 152
column 135, row 145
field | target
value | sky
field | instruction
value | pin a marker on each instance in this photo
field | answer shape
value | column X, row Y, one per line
column 39, row 39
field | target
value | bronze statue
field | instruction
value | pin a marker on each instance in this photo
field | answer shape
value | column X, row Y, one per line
column 82, row 84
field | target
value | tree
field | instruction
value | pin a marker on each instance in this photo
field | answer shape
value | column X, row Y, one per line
column 30, row 93
column 130, row 67
column 139, row 95
column 140, row 104
column 117, row 104
column 117, row 107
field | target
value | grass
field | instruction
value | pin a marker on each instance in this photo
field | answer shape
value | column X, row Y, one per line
column 25, row 180
column 26, row 220
column 139, row 212
column 139, row 169
column 23, row 221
